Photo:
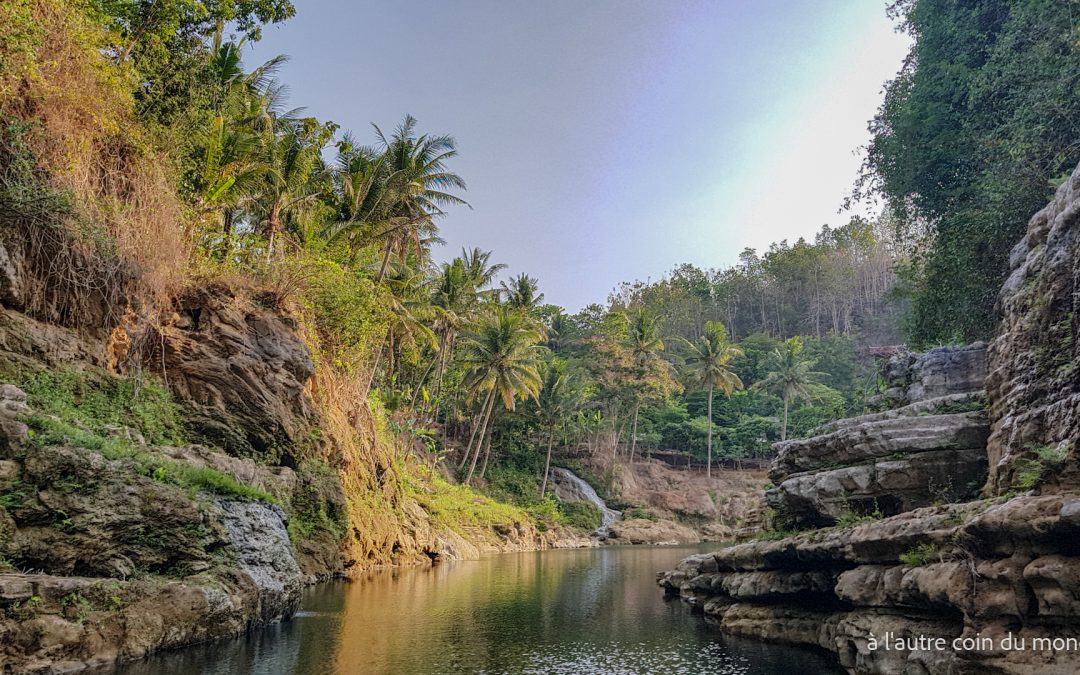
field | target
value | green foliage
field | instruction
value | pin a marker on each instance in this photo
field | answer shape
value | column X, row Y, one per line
column 14, row 495
column 76, row 607
column 25, row 610
column 582, row 515
column 1032, row 472
column 923, row 554
column 458, row 506
column 774, row 535
column 972, row 132
column 94, row 401
column 636, row 512
column 850, row 518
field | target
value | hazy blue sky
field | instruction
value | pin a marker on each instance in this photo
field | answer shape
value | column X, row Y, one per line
column 608, row 140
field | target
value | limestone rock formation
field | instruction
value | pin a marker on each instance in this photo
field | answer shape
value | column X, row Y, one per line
column 1034, row 381
column 883, row 463
column 644, row 531
column 952, row 571
column 910, row 377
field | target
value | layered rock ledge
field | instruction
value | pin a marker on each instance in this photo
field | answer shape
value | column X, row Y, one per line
column 930, row 450
column 955, row 571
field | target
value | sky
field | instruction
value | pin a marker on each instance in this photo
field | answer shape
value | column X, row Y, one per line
column 609, row 140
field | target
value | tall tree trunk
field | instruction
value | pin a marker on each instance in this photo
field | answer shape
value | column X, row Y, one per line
column 475, row 427
column 547, row 462
column 487, row 451
column 385, row 260
column 783, row 424
column 423, row 378
column 708, row 461
column 375, row 366
column 633, row 434
column 480, row 441
column 273, row 227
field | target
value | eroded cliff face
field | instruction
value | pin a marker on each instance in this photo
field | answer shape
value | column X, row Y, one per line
column 1008, row 563
column 1034, row 382
column 139, row 545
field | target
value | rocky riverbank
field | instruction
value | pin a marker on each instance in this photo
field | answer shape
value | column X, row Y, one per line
column 951, row 515
column 126, row 528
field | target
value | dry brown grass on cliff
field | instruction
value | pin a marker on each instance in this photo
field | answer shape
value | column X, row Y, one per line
column 82, row 134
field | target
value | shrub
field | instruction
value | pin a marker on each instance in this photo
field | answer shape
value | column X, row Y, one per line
column 582, row 515
column 636, row 512
column 1034, row 471
column 923, row 554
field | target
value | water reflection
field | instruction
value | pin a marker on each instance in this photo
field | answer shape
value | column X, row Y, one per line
column 578, row 611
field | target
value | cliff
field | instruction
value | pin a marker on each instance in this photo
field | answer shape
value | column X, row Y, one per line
column 899, row 554
column 177, row 480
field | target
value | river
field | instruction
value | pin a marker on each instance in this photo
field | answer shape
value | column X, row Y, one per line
column 587, row 611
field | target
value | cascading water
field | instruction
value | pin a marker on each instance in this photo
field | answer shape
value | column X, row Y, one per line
column 571, row 488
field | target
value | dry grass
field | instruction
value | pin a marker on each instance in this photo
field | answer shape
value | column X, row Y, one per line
column 86, row 142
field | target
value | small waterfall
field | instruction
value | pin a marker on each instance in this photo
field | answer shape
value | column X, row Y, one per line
column 570, row 488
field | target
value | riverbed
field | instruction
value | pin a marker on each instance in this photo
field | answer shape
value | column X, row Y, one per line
column 586, row 611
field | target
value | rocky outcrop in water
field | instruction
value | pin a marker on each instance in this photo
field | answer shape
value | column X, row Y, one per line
column 125, row 562
column 955, row 571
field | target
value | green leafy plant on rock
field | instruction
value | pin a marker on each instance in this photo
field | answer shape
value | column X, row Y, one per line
column 920, row 555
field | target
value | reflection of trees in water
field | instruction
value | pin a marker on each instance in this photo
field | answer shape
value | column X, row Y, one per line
column 556, row 611
column 492, row 613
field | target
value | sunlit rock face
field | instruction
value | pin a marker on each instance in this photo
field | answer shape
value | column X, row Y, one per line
column 1034, row 381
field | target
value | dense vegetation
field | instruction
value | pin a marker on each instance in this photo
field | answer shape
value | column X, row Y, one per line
column 977, row 129
column 223, row 182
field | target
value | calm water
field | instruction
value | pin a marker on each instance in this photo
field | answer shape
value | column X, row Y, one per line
column 578, row 611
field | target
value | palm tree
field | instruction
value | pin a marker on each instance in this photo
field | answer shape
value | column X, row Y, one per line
column 790, row 376
column 480, row 270
column 361, row 200
column 407, row 325
column 500, row 357
column 451, row 300
column 521, row 292
column 558, row 399
column 232, row 165
column 645, row 343
column 419, row 184
column 293, row 155
column 710, row 366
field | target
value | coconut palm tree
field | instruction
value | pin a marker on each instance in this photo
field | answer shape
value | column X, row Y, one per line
column 500, row 356
column 645, row 343
column 522, row 292
column 559, row 398
column 361, row 200
column 408, row 314
column 419, row 185
column 480, row 270
column 709, row 364
column 292, row 184
column 790, row 376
